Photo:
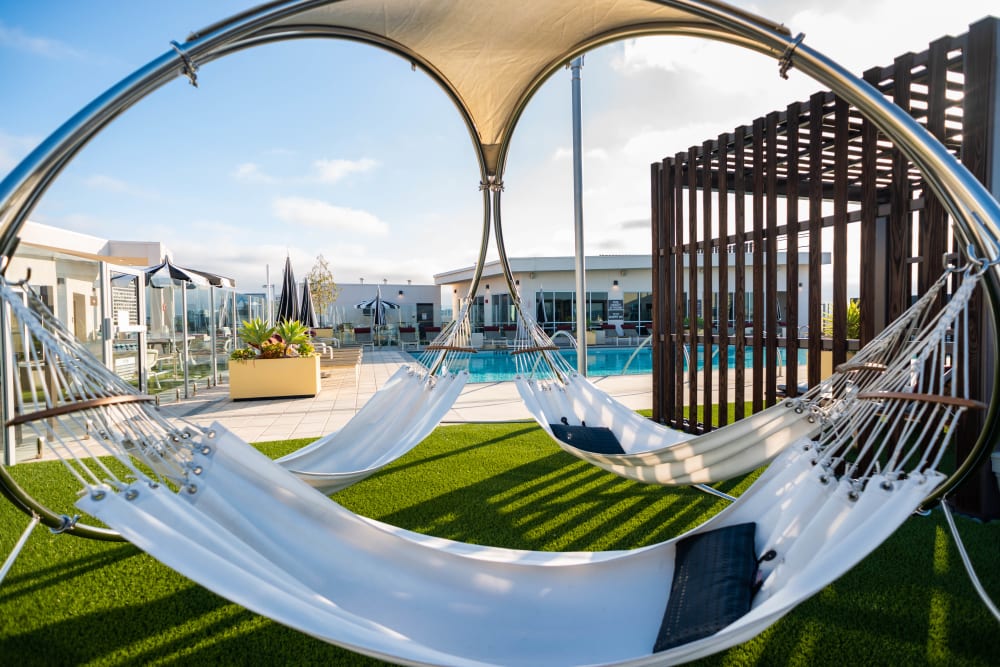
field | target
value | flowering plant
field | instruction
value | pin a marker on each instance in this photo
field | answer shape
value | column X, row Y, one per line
column 290, row 338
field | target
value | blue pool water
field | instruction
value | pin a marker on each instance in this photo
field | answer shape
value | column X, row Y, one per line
column 498, row 366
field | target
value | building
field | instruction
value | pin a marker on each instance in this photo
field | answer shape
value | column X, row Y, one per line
column 619, row 290
column 419, row 305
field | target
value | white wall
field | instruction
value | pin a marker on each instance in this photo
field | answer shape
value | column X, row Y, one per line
column 353, row 293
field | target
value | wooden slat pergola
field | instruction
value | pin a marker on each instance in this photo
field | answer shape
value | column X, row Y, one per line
column 783, row 190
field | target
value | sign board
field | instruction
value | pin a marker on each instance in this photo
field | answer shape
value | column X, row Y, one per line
column 616, row 309
column 124, row 326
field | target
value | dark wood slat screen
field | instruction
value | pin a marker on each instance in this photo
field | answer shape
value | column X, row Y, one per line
column 799, row 179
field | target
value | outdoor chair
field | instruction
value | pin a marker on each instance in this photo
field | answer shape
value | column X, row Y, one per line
column 492, row 336
column 409, row 338
column 324, row 348
column 363, row 337
column 627, row 335
column 153, row 372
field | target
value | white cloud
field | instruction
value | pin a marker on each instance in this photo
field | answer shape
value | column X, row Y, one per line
column 13, row 150
column 317, row 213
column 116, row 185
column 563, row 153
column 332, row 171
column 250, row 172
column 50, row 48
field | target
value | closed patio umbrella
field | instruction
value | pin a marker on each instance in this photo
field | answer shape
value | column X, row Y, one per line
column 307, row 313
column 288, row 304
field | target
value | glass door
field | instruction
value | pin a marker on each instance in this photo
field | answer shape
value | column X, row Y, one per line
column 123, row 310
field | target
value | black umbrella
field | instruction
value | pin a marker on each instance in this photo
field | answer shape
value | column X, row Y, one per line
column 378, row 306
column 288, row 304
column 307, row 314
column 167, row 274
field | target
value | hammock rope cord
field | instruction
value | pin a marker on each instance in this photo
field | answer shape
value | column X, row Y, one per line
column 82, row 412
column 260, row 537
column 210, row 506
column 646, row 451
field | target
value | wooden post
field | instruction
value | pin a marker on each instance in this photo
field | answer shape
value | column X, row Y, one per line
column 981, row 154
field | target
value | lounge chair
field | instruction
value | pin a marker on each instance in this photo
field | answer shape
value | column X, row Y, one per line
column 430, row 333
column 409, row 338
column 629, row 334
column 492, row 337
column 363, row 337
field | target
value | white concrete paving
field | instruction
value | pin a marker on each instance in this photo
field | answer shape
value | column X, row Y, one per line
column 346, row 389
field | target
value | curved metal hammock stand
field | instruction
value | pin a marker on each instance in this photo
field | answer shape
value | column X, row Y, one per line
column 216, row 510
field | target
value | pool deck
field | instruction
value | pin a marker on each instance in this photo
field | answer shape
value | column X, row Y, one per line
column 346, row 388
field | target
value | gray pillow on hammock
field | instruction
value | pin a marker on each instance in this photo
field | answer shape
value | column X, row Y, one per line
column 714, row 582
column 596, row 439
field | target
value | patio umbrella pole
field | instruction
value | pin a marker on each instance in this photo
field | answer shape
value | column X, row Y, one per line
column 184, row 335
column 213, row 324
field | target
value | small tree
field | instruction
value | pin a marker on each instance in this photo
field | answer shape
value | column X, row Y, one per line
column 324, row 290
column 853, row 321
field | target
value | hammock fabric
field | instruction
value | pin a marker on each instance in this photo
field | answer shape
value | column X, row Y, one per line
column 260, row 537
column 652, row 453
column 393, row 421
column 242, row 525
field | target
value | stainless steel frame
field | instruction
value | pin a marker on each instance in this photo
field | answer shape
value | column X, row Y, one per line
column 975, row 211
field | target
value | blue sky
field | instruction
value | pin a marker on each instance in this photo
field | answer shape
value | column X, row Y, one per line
column 337, row 149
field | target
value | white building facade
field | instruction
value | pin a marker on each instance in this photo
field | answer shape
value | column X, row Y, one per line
column 619, row 291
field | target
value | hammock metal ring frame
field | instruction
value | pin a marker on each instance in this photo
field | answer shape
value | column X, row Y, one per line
column 975, row 213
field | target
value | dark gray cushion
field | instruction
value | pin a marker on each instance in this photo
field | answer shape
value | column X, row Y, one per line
column 714, row 575
column 596, row 439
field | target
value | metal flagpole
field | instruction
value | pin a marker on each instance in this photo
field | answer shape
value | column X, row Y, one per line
column 267, row 293
column 581, row 278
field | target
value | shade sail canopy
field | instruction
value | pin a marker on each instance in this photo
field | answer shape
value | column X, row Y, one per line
column 489, row 56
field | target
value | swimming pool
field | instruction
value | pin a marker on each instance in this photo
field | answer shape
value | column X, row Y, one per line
column 499, row 366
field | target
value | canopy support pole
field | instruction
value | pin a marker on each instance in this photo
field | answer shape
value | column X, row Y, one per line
column 580, row 263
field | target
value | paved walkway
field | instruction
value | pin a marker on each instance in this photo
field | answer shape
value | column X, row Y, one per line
column 346, row 389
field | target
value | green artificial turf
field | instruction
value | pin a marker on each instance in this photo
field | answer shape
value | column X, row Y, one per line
column 69, row 601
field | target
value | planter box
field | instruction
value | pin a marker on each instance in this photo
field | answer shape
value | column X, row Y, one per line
column 826, row 362
column 274, row 378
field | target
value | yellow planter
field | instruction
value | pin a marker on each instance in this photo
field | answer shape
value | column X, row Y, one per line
column 274, row 378
column 826, row 362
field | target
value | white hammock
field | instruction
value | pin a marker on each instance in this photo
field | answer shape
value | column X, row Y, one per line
column 237, row 522
column 392, row 422
column 649, row 452
column 256, row 535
